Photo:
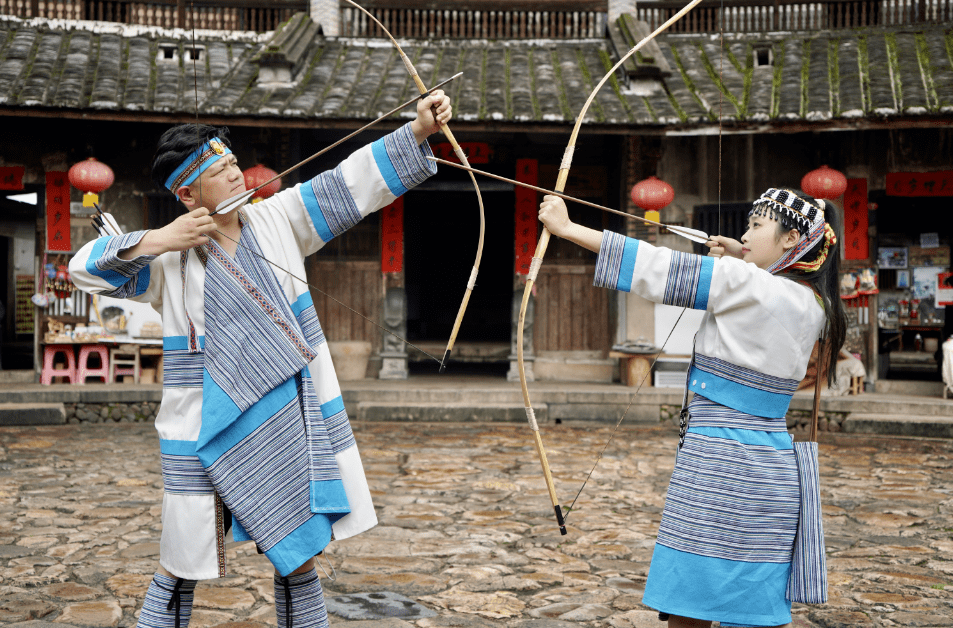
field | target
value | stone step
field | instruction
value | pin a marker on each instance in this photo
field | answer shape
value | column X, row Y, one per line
column 424, row 412
column 900, row 425
column 32, row 414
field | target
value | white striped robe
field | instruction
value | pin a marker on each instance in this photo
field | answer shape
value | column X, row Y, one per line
column 731, row 512
column 288, row 227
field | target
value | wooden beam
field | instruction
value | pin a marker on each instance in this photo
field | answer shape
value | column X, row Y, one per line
column 924, row 122
column 572, row 6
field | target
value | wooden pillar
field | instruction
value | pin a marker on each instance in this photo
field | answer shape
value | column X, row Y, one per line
column 526, row 230
column 394, row 307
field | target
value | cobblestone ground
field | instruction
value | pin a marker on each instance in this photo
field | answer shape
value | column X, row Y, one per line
column 465, row 529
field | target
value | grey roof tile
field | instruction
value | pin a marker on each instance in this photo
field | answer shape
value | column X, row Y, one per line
column 818, row 81
column 105, row 89
column 70, row 89
column 139, row 54
column 883, row 100
column 16, row 56
column 911, row 79
column 941, row 70
column 849, row 89
column 100, row 67
column 38, row 82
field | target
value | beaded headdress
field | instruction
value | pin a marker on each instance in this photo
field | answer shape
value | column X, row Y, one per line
column 810, row 222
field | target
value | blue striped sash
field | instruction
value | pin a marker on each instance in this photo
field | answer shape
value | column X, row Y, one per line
column 732, row 500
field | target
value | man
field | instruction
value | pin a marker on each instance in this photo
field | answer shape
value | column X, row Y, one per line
column 253, row 431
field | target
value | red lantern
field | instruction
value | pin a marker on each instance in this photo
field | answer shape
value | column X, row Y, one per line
column 255, row 176
column 91, row 177
column 652, row 194
column 824, row 183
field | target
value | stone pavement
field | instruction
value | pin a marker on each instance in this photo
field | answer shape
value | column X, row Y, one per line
column 466, row 529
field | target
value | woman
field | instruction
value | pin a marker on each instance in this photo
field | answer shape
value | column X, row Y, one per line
column 726, row 539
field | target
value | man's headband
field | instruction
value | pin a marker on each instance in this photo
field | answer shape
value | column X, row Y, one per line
column 196, row 163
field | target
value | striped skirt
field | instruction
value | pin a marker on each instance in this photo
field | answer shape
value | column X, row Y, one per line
column 731, row 513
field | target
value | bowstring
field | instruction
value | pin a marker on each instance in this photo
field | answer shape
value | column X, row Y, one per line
column 622, row 418
column 721, row 99
column 721, row 70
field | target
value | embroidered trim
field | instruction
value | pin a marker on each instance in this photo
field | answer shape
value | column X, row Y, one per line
column 220, row 535
column 227, row 264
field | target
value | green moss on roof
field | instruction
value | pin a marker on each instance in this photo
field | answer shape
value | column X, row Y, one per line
column 614, row 83
column 894, row 62
column 507, row 92
column 690, row 84
column 805, row 75
column 833, row 75
column 481, row 112
column 537, row 112
column 863, row 61
column 561, row 86
column 309, row 71
column 716, row 79
column 778, row 52
column 342, row 53
column 590, row 85
column 926, row 70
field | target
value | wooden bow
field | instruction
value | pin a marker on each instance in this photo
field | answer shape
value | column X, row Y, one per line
column 541, row 251
column 463, row 159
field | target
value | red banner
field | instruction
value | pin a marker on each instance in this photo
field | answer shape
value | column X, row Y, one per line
column 476, row 152
column 856, row 241
column 920, row 183
column 392, row 237
column 57, row 212
column 11, row 177
column 527, row 214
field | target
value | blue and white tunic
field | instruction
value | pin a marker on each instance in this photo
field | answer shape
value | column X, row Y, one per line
column 725, row 543
column 252, row 414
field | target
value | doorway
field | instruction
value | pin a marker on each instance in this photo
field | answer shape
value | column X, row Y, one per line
column 19, row 211
column 441, row 230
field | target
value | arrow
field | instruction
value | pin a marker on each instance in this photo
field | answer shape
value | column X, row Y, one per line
column 239, row 199
column 692, row 234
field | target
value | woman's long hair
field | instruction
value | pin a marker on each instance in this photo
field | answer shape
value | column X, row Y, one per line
column 825, row 280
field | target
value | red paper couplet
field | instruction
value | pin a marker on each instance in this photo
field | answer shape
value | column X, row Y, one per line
column 57, row 212
column 11, row 177
column 527, row 214
column 920, row 183
column 856, row 241
column 392, row 237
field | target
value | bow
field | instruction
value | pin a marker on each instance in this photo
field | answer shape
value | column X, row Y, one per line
column 541, row 251
column 463, row 159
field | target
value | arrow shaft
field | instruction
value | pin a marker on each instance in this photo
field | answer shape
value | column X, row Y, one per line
column 554, row 193
column 247, row 194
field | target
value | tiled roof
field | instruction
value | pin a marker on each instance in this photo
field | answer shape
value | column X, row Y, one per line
column 111, row 69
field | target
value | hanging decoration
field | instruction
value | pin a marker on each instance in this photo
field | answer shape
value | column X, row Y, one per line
column 57, row 212
column 824, row 182
column 91, row 177
column 652, row 194
column 257, row 175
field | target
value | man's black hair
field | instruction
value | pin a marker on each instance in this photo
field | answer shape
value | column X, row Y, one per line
column 178, row 143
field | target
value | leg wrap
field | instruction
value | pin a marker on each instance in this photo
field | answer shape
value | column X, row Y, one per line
column 299, row 601
column 168, row 603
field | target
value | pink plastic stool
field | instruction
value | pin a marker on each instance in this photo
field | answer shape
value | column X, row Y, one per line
column 83, row 369
column 49, row 372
